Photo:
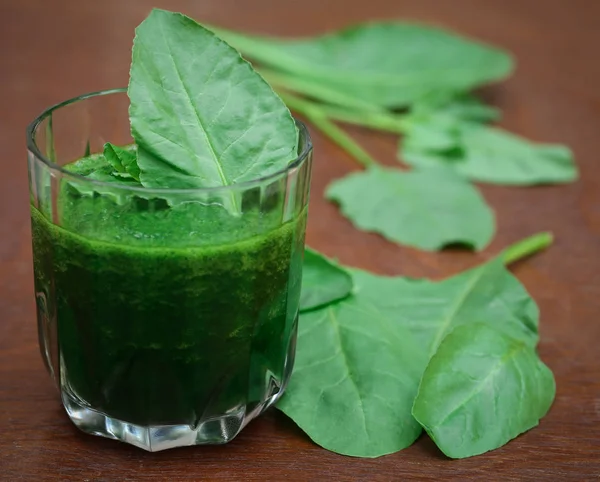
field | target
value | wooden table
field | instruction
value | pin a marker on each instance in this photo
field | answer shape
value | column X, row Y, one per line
column 54, row 50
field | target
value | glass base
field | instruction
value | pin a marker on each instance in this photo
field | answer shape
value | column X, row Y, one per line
column 153, row 438
column 161, row 437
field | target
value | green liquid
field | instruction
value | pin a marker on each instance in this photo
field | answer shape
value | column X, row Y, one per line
column 167, row 315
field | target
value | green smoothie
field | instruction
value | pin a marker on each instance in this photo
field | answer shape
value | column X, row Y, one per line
column 168, row 313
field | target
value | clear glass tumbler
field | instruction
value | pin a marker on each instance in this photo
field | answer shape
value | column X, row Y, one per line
column 165, row 317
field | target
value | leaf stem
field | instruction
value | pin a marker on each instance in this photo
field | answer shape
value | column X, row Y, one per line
column 527, row 247
column 314, row 89
column 381, row 121
column 315, row 114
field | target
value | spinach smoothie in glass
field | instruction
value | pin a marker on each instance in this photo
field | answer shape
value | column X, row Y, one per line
column 168, row 269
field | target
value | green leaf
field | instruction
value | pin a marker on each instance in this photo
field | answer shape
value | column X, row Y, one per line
column 124, row 161
column 323, row 281
column 480, row 390
column 427, row 209
column 484, row 153
column 355, row 378
column 88, row 149
column 97, row 168
column 464, row 107
column 201, row 116
column 389, row 64
column 434, row 124
column 433, row 135
column 430, row 310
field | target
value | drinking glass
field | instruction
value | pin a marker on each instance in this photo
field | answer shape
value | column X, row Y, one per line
column 166, row 317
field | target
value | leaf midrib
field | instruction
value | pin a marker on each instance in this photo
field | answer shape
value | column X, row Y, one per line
column 447, row 321
column 200, row 121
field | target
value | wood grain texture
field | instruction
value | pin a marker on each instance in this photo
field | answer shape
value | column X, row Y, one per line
column 53, row 50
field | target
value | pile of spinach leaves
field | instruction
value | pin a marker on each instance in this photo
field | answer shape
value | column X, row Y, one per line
column 379, row 358
column 396, row 355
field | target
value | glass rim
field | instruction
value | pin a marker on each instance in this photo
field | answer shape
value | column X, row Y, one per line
column 54, row 167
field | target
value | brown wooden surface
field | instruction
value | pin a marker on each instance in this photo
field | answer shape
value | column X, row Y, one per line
column 55, row 49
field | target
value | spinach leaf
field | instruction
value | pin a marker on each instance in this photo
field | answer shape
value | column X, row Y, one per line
column 462, row 106
column 481, row 389
column 389, row 64
column 355, row 378
column 97, row 168
column 427, row 209
column 201, row 116
column 483, row 153
column 88, row 149
column 123, row 160
column 434, row 123
column 323, row 281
